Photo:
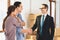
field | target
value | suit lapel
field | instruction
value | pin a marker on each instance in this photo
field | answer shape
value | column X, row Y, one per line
column 40, row 20
column 45, row 19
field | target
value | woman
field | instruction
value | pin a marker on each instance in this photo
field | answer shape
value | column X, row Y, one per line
column 11, row 22
column 19, row 36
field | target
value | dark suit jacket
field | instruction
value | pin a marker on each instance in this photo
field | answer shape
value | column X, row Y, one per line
column 47, row 29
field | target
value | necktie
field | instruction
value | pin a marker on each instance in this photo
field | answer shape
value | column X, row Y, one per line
column 41, row 23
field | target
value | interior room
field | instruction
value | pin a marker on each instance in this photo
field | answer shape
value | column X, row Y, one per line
column 30, row 12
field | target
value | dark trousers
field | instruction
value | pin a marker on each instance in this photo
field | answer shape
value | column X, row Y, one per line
column 40, row 37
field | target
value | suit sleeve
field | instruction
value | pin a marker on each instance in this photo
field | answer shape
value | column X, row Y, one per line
column 52, row 28
column 35, row 25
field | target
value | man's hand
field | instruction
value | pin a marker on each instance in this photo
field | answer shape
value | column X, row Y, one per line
column 24, row 31
column 28, row 31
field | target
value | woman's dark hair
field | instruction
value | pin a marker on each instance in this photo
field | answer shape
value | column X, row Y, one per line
column 10, row 10
column 17, row 4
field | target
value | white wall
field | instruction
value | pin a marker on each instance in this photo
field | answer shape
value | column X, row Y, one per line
column 35, row 5
column 3, row 10
column 57, row 13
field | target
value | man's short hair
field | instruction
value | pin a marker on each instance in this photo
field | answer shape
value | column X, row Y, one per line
column 46, row 6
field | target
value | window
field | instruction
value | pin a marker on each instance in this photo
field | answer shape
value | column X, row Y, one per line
column 3, row 10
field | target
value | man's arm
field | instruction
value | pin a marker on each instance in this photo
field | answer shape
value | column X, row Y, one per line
column 29, row 31
column 52, row 28
column 33, row 28
column 35, row 25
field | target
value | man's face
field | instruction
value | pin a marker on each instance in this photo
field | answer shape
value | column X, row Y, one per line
column 43, row 9
column 20, row 8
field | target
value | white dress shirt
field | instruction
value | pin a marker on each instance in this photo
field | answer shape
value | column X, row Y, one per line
column 44, row 16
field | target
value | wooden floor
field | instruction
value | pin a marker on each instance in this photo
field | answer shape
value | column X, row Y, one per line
column 57, row 34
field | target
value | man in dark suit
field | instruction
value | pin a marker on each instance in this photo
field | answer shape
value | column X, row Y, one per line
column 44, row 24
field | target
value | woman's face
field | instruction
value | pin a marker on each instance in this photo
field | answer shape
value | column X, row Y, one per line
column 20, row 8
column 15, row 12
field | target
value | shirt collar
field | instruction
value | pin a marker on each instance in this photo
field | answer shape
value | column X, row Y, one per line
column 44, row 15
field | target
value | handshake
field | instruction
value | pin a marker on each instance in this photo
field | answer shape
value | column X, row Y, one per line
column 28, row 31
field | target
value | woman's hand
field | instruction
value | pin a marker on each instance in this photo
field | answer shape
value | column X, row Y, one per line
column 21, row 23
column 28, row 31
column 24, row 31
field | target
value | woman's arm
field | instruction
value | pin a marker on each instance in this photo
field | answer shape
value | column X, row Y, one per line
column 21, row 22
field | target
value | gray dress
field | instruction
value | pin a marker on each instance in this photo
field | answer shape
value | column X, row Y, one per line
column 10, row 27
